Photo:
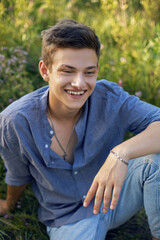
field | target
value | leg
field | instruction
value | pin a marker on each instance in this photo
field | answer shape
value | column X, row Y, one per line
column 142, row 186
column 92, row 228
column 152, row 196
column 143, row 178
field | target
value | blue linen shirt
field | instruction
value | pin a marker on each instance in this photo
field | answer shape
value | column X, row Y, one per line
column 25, row 139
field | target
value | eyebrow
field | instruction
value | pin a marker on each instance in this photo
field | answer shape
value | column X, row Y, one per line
column 73, row 68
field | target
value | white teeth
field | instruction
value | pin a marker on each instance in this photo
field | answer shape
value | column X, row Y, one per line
column 75, row 93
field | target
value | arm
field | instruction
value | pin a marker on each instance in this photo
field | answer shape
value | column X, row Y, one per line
column 111, row 176
column 13, row 195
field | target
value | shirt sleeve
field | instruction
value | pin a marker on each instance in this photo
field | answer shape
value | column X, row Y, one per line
column 16, row 164
column 135, row 115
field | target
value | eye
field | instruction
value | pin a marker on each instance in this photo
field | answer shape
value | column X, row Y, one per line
column 66, row 71
column 90, row 73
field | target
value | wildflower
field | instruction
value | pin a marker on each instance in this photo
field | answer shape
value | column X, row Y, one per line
column 8, row 70
column 18, row 205
column 138, row 94
column 24, row 53
column 7, row 216
column 12, row 60
column 24, row 61
column 26, row 221
column 20, row 68
column 10, row 8
column 4, row 48
column 20, row 51
column 2, row 57
column 10, row 100
column 123, row 60
column 120, row 83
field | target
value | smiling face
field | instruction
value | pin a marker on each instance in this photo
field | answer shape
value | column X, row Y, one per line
column 72, row 78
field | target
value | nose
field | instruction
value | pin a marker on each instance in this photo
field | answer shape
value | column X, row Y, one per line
column 78, row 81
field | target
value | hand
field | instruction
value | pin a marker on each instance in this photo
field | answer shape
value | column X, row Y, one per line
column 3, row 207
column 108, row 181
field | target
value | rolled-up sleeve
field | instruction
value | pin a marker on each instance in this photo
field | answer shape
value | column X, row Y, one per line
column 17, row 166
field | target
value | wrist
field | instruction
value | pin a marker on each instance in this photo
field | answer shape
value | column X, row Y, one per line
column 119, row 158
column 122, row 152
column 4, row 208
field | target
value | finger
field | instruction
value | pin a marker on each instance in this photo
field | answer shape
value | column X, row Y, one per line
column 90, row 194
column 107, row 199
column 98, row 199
column 115, row 197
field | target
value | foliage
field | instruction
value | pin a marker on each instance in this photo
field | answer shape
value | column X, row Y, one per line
column 152, row 8
column 14, row 81
column 129, row 32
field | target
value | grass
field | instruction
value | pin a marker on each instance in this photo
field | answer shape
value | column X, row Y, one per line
column 23, row 224
column 135, row 229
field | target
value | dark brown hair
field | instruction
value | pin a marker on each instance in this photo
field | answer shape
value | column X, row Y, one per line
column 67, row 34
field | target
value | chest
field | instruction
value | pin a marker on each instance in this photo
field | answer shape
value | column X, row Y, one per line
column 64, row 143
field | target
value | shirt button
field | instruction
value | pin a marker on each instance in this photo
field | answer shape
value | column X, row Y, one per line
column 76, row 172
column 52, row 162
column 84, row 196
column 51, row 132
column 46, row 145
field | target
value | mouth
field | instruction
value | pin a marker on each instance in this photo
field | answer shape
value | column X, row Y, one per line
column 75, row 93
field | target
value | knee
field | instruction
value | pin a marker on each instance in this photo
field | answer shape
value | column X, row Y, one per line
column 155, row 160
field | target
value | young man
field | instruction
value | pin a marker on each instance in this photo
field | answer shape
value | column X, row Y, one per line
column 68, row 140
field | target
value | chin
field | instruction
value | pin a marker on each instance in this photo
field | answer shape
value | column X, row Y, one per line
column 77, row 107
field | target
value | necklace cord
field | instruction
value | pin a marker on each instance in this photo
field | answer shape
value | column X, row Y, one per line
column 58, row 141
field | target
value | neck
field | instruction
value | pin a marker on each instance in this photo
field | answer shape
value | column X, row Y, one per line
column 62, row 113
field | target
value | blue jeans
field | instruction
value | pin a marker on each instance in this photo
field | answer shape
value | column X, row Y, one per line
column 141, row 188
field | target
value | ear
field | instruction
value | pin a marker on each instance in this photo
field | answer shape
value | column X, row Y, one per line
column 43, row 71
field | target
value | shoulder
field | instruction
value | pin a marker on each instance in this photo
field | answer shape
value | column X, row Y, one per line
column 108, row 95
column 107, row 89
column 23, row 108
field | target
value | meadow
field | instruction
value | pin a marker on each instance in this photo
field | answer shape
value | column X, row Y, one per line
column 129, row 32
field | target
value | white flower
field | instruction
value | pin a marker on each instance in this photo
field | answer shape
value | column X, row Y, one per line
column 123, row 60
column 138, row 94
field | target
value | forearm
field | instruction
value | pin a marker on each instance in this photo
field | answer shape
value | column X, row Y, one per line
column 13, row 195
column 147, row 142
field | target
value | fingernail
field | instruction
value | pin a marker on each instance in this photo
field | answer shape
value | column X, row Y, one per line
column 84, row 204
column 104, row 210
column 95, row 212
column 111, row 207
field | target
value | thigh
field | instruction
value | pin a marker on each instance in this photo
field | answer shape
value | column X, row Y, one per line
column 92, row 228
